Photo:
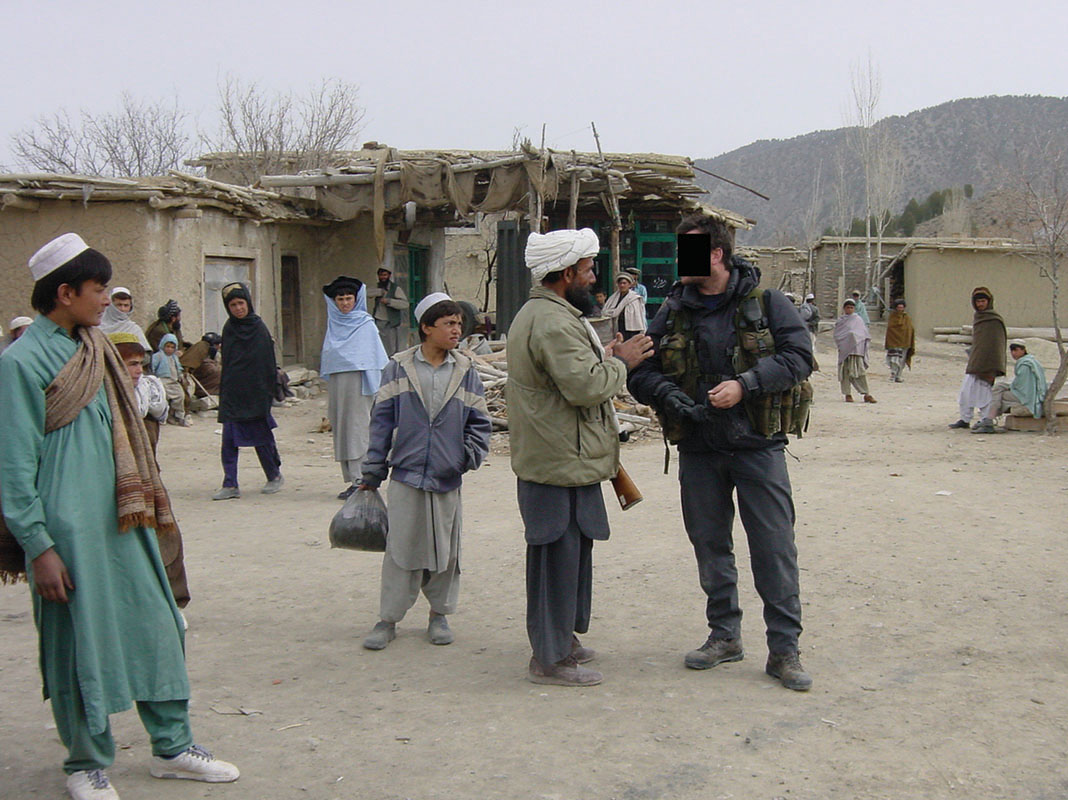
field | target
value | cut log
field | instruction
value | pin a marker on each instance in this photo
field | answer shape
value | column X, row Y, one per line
column 1032, row 424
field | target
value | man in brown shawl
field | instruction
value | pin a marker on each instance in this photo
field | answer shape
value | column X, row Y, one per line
column 900, row 341
column 986, row 360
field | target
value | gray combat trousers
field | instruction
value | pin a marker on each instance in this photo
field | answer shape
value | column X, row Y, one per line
column 708, row 481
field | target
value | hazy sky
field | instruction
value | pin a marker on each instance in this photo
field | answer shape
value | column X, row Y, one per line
column 696, row 78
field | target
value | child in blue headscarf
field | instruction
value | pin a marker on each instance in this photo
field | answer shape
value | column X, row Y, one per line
column 352, row 362
column 166, row 367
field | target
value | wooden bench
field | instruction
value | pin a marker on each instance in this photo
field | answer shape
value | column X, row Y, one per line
column 1060, row 408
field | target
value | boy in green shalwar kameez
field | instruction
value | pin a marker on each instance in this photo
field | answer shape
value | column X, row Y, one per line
column 82, row 496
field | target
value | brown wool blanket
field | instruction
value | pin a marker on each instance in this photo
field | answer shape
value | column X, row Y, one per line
column 141, row 498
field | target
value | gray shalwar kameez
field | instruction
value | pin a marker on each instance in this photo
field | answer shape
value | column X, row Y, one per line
column 349, row 413
column 561, row 523
column 423, row 546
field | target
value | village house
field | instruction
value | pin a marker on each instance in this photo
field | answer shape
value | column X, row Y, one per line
column 632, row 200
column 183, row 236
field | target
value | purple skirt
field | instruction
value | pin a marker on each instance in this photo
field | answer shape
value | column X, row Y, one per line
column 251, row 433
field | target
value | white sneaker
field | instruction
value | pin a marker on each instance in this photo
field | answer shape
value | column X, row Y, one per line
column 194, row 764
column 91, row 784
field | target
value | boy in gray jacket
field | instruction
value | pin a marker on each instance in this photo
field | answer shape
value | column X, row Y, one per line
column 431, row 424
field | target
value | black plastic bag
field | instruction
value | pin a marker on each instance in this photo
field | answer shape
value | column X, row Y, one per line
column 361, row 523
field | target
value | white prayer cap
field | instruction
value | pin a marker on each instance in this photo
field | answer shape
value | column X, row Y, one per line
column 553, row 251
column 55, row 254
column 19, row 322
column 121, row 290
column 431, row 299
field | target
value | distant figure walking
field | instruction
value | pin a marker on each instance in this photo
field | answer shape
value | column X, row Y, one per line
column 852, row 339
column 900, row 341
column 245, row 392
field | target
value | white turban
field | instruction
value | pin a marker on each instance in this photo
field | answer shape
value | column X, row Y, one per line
column 430, row 300
column 19, row 322
column 55, row 254
column 553, row 251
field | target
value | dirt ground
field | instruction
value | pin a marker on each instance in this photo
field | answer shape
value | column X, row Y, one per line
column 933, row 587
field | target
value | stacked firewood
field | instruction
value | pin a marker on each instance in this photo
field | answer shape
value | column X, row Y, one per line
column 634, row 417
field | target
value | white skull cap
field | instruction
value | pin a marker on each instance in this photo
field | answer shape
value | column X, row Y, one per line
column 55, row 254
column 424, row 305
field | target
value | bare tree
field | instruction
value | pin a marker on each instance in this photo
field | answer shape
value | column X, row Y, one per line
column 139, row 139
column 842, row 209
column 880, row 159
column 887, row 175
column 1039, row 210
column 955, row 219
column 280, row 133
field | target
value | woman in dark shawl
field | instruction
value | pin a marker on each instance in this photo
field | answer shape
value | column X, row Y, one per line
column 900, row 341
column 986, row 358
column 246, row 391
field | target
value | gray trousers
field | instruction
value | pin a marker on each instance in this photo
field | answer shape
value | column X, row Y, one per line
column 392, row 337
column 559, row 594
column 400, row 589
column 708, row 481
column 1003, row 400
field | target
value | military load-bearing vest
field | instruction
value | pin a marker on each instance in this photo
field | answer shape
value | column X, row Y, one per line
column 770, row 413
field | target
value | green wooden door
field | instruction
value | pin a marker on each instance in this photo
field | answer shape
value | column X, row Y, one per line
column 656, row 263
column 418, row 275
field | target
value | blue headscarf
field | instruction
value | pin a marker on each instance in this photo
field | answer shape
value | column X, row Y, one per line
column 352, row 343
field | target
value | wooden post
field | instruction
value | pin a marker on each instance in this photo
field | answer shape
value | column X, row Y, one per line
column 572, row 210
column 613, row 209
column 615, row 253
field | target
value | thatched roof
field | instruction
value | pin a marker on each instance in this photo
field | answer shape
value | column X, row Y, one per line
column 489, row 181
column 176, row 190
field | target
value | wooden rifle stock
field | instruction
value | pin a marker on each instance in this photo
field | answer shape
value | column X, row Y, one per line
column 627, row 493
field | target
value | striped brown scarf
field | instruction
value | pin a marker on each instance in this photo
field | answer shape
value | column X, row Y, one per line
column 141, row 498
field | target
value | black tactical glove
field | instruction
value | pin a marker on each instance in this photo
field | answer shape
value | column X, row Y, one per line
column 676, row 404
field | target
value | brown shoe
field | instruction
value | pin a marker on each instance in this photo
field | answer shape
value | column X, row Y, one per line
column 582, row 655
column 787, row 668
column 715, row 651
column 869, row 399
column 849, row 398
column 563, row 673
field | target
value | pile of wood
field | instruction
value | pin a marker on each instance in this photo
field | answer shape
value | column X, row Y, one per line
column 633, row 417
column 962, row 334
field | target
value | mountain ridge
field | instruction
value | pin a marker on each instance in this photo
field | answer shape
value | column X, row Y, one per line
column 970, row 140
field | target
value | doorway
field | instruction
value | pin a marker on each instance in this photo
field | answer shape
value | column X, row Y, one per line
column 218, row 272
column 292, row 327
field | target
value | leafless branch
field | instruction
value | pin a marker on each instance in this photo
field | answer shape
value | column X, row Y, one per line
column 139, row 139
column 281, row 133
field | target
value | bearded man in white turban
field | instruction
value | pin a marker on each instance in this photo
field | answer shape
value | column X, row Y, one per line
column 564, row 442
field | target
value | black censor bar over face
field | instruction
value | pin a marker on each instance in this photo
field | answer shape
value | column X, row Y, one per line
column 694, row 254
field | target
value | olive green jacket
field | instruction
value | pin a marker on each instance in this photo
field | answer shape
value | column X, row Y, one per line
column 560, row 387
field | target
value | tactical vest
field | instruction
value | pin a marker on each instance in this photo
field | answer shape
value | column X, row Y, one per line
column 778, row 412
